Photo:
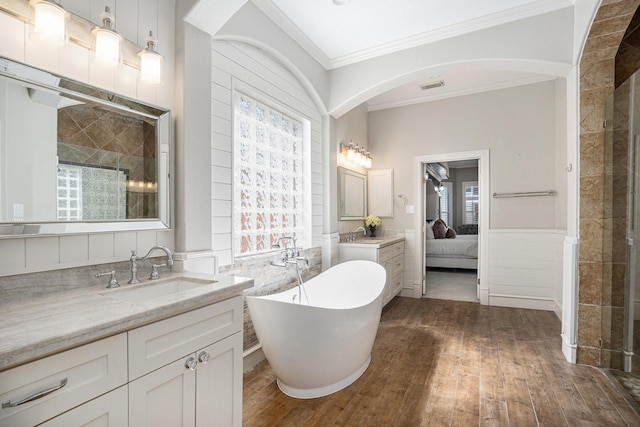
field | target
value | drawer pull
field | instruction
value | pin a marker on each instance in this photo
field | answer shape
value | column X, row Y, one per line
column 191, row 363
column 36, row 396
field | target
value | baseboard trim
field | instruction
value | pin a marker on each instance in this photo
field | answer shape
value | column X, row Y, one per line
column 569, row 350
column 252, row 357
column 515, row 301
column 557, row 308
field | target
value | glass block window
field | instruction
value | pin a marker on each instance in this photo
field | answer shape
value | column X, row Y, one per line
column 69, row 193
column 267, row 168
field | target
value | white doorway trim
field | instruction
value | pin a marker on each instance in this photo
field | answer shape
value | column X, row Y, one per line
column 483, row 243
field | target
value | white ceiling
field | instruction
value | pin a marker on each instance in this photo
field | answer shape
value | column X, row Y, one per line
column 362, row 29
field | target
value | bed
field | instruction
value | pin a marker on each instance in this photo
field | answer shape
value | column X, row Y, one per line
column 459, row 252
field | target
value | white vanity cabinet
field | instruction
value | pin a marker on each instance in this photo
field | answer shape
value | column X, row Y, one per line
column 187, row 370
column 69, row 379
column 109, row 410
column 390, row 256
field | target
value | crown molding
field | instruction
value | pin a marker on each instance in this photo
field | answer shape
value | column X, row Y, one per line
column 495, row 19
column 292, row 30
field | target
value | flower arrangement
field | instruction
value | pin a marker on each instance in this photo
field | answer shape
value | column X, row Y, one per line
column 372, row 220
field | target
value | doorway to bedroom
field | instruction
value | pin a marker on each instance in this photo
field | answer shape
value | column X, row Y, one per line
column 451, row 206
column 454, row 189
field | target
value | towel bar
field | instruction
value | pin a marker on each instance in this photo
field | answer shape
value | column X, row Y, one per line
column 526, row 194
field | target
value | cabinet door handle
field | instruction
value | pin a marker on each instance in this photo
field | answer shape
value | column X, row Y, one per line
column 191, row 363
column 36, row 396
column 203, row 357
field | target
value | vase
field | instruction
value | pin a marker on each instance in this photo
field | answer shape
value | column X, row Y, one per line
column 372, row 231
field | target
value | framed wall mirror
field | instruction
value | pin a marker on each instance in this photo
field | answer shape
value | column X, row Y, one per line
column 352, row 194
column 78, row 159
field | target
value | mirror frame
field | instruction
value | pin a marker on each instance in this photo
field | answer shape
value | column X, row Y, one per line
column 342, row 172
column 34, row 76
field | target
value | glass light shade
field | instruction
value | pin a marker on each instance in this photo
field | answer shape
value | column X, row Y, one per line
column 351, row 153
column 367, row 163
column 150, row 67
column 108, row 47
column 49, row 23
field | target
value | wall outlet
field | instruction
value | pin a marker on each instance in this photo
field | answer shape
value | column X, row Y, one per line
column 410, row 209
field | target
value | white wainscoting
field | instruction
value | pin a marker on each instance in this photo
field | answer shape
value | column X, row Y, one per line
column 525, row 268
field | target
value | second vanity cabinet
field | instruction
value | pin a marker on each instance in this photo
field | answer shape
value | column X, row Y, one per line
column 390, row 256
column 185, row 370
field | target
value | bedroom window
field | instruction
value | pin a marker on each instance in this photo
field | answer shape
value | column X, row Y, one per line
column 268, row 176
column 470, row 194
column 445, row 202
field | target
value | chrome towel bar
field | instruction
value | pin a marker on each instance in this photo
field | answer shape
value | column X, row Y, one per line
column 526, row 194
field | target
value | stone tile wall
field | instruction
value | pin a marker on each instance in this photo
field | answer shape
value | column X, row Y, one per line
column 602, row 192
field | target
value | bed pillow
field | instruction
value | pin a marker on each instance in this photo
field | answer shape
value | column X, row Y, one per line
column 439, row 229
column 450, row 234
column 430, row 230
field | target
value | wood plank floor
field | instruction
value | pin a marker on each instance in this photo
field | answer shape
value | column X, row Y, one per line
column 450, row 363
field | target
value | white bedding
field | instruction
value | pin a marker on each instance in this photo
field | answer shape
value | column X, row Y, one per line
column 465, row 245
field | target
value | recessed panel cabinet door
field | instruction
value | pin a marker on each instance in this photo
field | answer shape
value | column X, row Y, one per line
column 380, row 191
column 165, row 397
column 219, row 384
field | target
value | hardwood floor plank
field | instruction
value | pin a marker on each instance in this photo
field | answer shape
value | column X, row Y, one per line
column 599, row 403
column 444, row 363
column 546, row 407
column 493, row 413
column 466, row 408
column 519, row 405
column 626, row 412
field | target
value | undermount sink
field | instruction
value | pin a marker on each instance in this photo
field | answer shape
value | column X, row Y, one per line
column 153, row 290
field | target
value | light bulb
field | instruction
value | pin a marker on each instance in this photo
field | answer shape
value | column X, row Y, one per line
column 150, row 63
column 49, row 23
column 107, row 43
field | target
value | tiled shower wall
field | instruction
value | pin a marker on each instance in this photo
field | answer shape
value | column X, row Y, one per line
column 602, row 210
column 100, row 137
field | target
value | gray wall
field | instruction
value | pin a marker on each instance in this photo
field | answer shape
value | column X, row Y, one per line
column 517, row 125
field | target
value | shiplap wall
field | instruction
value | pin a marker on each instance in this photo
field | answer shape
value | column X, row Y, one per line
column 525, row 268
column 134, row 18
column 242, row 66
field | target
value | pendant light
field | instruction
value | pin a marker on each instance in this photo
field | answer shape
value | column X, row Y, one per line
column 107, row 42
column 49, row 21
column 150, row 63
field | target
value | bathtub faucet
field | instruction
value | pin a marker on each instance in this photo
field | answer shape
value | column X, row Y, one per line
column 288, row 252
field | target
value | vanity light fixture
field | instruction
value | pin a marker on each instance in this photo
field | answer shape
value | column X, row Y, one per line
column 151, row 63
column 107, row 42
column 355, row 155
column 49, row 21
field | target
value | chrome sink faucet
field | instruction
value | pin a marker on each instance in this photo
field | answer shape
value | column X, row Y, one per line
column 154, row 270
column 351, row 237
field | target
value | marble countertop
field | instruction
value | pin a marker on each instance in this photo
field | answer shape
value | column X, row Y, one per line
column 36, row 327
column 371, row 242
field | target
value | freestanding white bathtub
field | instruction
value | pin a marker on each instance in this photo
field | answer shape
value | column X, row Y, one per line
column 322, row 344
